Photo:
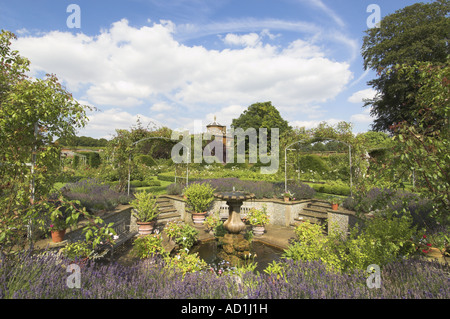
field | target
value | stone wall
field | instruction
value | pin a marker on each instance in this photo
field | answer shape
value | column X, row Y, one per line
column 280, row 213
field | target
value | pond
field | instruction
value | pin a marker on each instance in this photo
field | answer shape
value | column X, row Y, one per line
column 265, row 254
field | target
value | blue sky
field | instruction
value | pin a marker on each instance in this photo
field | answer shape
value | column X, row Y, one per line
column 180, row 63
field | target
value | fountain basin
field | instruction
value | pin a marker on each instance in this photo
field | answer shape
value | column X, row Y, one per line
column 209, row 251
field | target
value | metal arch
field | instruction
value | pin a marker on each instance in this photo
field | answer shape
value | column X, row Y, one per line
column 150, row 138
column 324, row 139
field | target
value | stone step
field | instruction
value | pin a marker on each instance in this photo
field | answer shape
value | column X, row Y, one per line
column 311, row 212
column 167, row 210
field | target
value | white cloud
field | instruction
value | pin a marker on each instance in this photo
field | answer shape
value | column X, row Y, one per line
column 248, row 40
column 104, row 123
column 362, row 118
column 313, row 123
column 125, row 66
column 360, row 96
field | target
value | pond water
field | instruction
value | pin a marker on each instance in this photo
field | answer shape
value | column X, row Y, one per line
column 265, row 254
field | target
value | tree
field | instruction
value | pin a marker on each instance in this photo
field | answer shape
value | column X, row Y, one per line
column 417, row 33
column 262, row 115
column 424, row 147
column 33, row 113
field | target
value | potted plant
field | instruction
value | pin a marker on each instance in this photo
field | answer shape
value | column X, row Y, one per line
column 199, row 198
column 258, row 218
column 287, row 196
column 335, row 201
column 145, row 210
column 62, row 216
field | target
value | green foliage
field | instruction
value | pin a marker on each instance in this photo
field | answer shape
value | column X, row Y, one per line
column 382, row 240
column 182, row 234
column 330, row 187
column 83, row 141
column 33, row 114
column 258, row 217
column 146, row 160
column 148, row 246
column 146, row 206
column 185, row 263
column 77, row 250
column 212, row 222
column 417, row 33
column 313, row 163
column 93, row 159
column 277, row 270
column 199, row 196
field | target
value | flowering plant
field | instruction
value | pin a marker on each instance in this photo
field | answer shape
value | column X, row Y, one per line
column 424, row 246
column 288, row 194
column 258, row 217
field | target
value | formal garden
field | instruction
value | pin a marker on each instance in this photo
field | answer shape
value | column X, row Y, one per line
column 396, row 184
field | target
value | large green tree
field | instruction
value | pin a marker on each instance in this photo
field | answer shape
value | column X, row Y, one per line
column 262, row 115
column 33, row 114
column 417, row 33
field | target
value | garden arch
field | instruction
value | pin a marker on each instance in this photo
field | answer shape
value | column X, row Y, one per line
column 310, row 142
column 149, row 138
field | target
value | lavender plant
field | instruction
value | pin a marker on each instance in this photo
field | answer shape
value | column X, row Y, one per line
column 45, row 276
column 95, row 195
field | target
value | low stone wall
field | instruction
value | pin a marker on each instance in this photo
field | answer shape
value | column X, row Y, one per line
column 280, row 213
column 341, row 220
column 123, row 212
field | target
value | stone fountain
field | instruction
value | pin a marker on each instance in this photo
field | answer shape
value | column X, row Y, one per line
column 235, row 247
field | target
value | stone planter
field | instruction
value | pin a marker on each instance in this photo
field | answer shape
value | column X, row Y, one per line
column 146, row 228
column 258, row 230
column 198, row 218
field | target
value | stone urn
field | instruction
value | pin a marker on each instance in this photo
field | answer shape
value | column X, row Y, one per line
column 258, row 230
column 234, row 200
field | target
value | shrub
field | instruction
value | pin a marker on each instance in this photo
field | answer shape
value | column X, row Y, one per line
column 95, row 195
column 313, row 163
column 147, row 160
column 146, row 207
column 199, row 196
column 183, row 234
column 148, row 246
column 175, row 189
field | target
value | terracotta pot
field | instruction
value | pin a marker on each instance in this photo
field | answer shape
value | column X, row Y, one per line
column 198, row 218
column 334, row 206
column 146, row 228
column 286, row 199
column 258, row 230
column 58, row 235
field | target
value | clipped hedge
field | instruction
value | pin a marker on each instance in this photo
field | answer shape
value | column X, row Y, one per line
column 332, row 188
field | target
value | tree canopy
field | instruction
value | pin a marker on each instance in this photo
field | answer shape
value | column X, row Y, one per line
column 417, row 33
column 261, row 115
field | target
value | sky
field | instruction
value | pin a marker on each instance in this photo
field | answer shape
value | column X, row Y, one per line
column 180, row 63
